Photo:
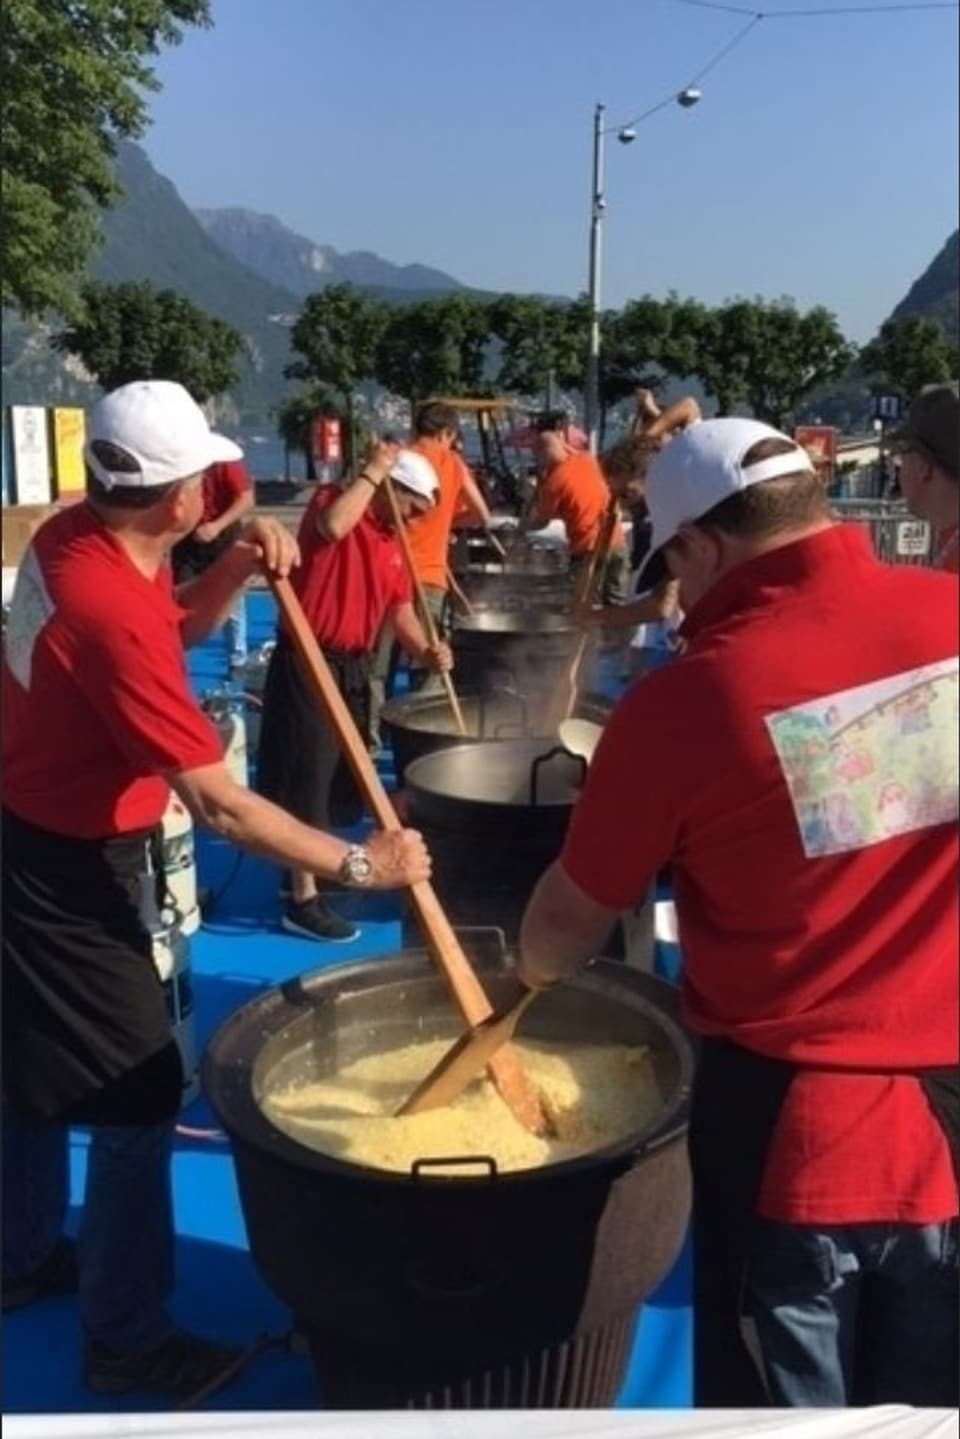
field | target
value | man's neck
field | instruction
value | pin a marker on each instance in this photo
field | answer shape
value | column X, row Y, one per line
column 146, row 551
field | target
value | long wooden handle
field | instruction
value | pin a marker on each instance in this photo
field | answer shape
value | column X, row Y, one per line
column 495, row 544
column 467, row 991
column 426, row 617
column 458, row 593
column 565, row 697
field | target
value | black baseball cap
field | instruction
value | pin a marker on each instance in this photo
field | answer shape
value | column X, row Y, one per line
column 932, row 426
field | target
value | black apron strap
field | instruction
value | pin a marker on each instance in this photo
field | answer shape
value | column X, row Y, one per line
column 942, row 1088
column 736, row 1102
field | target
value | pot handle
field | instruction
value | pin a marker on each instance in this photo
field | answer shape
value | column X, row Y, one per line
column 542, row 759
column 495, row 934
column 437, row 1161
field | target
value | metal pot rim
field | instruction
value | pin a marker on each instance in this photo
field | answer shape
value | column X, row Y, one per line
column 227, row 1082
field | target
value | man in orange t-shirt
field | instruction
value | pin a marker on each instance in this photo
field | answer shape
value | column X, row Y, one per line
column 573, row 489
column 436, row 430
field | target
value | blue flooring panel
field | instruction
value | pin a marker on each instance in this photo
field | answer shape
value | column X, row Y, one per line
column 238, row 952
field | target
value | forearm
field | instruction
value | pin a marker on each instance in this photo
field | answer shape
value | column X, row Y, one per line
column 255, row 824
column 347, row 510
column 476, row 503
column 241, row 506
column 409, row 632
column 562, row 929
column 645, row 611
column 209, row 598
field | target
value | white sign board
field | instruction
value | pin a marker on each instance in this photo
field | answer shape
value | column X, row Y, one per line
column 913, row 537
column 31, row 455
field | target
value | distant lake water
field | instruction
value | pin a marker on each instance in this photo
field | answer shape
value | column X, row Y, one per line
column 264, row 458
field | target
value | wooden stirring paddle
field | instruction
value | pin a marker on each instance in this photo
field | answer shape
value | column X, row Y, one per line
column 425, row 616
column 468, row 993
column 464, row 1060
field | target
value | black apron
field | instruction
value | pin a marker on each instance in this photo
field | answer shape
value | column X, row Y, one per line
column 736, row 1102
column 190, row 557
column 86, row 1035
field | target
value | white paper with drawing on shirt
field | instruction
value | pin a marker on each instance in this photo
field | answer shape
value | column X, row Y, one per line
column 871, row 762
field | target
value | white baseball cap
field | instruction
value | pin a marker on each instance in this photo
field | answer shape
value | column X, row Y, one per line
column 416, row 474
column 702, row 466
column 160, row 426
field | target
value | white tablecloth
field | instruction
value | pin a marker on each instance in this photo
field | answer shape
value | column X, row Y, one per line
column 888, row 1422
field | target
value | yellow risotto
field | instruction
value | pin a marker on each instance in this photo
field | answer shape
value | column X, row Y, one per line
column 592, row 1094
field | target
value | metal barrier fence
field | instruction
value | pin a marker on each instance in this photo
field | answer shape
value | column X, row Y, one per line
column 897, row 537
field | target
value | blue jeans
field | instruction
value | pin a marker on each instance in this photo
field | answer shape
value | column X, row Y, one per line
column 875, row 1301
column 235, row 630
column 125, row 1244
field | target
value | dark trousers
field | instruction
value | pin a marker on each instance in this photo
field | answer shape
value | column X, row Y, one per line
column 299, row 765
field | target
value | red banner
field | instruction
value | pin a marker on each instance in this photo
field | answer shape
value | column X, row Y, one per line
column 326, row 440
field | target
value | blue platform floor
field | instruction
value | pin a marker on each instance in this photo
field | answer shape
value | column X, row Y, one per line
column 239, row 951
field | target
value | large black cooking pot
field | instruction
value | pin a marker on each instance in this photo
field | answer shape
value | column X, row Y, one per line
column 494, row 815
column 418, row 724
column 438, row 1290
column 525, row 650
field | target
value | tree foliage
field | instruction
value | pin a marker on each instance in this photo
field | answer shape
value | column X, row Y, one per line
column 134, row 332
column 908, row 354
column 76, row 76
column 336, row 336
column 434, row 347
column 541, row 342
column 768, row 356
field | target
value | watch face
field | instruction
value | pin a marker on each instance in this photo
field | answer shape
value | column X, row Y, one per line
column 358, row 867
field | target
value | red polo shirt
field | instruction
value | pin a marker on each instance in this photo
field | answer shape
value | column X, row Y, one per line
column 348, row 588
column 96, row 702
column 797, row 767
column 223, row 483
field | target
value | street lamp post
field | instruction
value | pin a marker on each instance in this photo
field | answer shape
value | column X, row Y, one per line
column 626, row 134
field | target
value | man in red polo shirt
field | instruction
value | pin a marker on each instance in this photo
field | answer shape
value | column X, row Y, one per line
column 98, row 724
column 351, row 580
column 227, row 500
column 797, row 767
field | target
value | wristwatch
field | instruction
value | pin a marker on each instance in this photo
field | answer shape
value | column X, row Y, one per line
column 356, row 867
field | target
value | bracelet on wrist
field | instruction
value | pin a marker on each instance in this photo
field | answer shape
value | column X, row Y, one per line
column 365, row 475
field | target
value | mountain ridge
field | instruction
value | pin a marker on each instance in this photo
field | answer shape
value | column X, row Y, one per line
column 272, row 250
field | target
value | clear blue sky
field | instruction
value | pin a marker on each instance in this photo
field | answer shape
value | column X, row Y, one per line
column 821, row 162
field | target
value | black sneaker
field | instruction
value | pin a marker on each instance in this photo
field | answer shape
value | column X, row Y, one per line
column 57, row 1275
column 314, row 920
column 179, row 1367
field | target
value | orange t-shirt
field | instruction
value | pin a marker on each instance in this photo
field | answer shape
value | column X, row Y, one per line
column 576, row 492
column 429, row 534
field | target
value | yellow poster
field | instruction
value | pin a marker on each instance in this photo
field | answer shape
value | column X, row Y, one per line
column 68, row 434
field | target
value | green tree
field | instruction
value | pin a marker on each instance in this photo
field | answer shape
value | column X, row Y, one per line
column 908, row 354
column 648, row 340
column 768, row 356
column 76, row 75
column 541, row 344
column 134, row 332
column 336, row 336
column 434, row 347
